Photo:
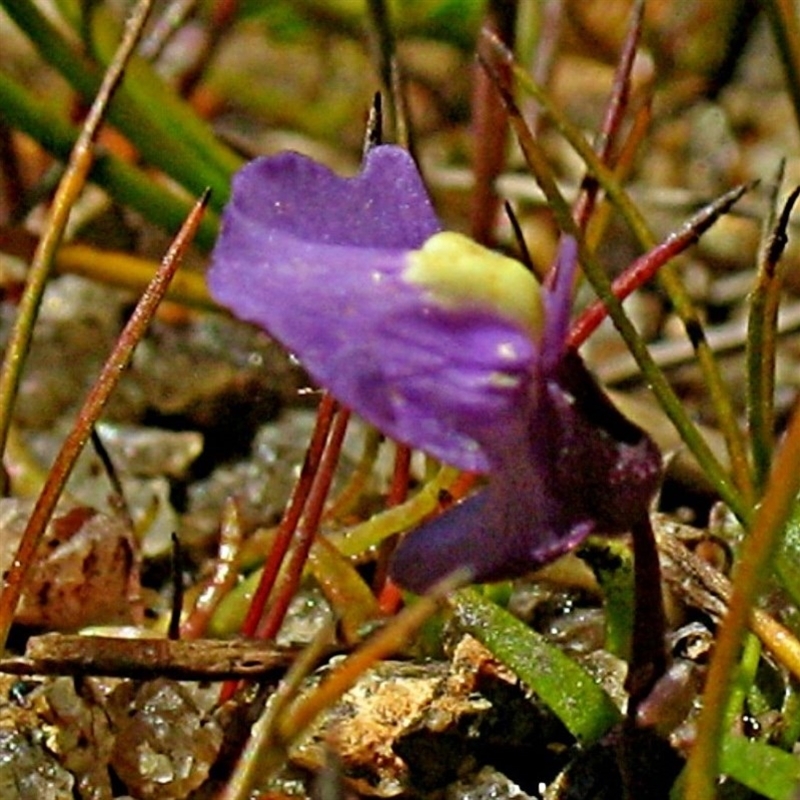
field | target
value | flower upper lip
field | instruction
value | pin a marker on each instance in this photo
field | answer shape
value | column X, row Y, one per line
column 423, row 372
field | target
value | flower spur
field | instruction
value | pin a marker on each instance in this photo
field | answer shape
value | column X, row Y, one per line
column 442, row 345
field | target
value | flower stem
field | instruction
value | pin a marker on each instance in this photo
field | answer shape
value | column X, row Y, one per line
column 648, row 658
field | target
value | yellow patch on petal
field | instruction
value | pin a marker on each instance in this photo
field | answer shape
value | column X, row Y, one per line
column 461, row 273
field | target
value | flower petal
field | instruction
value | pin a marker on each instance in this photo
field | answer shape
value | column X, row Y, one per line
column 557, row 303
column 320, row 262
column 384, row 206
column 485, row 537
column 569, row 464
column 580, row 468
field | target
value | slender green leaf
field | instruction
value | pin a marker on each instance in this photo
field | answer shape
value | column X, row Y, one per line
column 787, row 562
column 752, row 570
column 161, row 134
column 128, row 185
column 563, row 685
column 174, row 117
column 771, row 772
column 611, row 561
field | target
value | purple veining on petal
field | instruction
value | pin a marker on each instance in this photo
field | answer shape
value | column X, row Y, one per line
column 316, row 260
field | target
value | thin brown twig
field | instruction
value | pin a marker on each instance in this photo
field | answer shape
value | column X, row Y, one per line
column 70, row 186
column 144, row 659
column 96, row 400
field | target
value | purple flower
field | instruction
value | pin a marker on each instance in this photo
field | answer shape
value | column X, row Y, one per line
column 443, row 345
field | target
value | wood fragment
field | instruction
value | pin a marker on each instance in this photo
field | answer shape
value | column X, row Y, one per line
column 700, row 585
column 200, row 659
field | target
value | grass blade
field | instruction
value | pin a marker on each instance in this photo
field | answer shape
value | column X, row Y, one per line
column 93, row 406
column 154, row 126
column 126, row 183
column 564, row 686
column 751, row 572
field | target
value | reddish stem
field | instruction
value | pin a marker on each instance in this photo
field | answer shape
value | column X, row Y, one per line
column 307, row 529
column 645, row 267
column 291, row 516
column 389, row 596
column 288, row 524
column 615, row 113
column 118, row 360
column 401, row 475
column 462, row 485
column 489, row 130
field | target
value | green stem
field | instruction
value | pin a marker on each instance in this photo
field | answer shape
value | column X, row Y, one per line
column 148, row 119
column 667, row 276
column 742, row 680
column 751, row 572
column 595, row 274
column 169, row 112
column 761, row 343
column 126, row 183
column 69, row 188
